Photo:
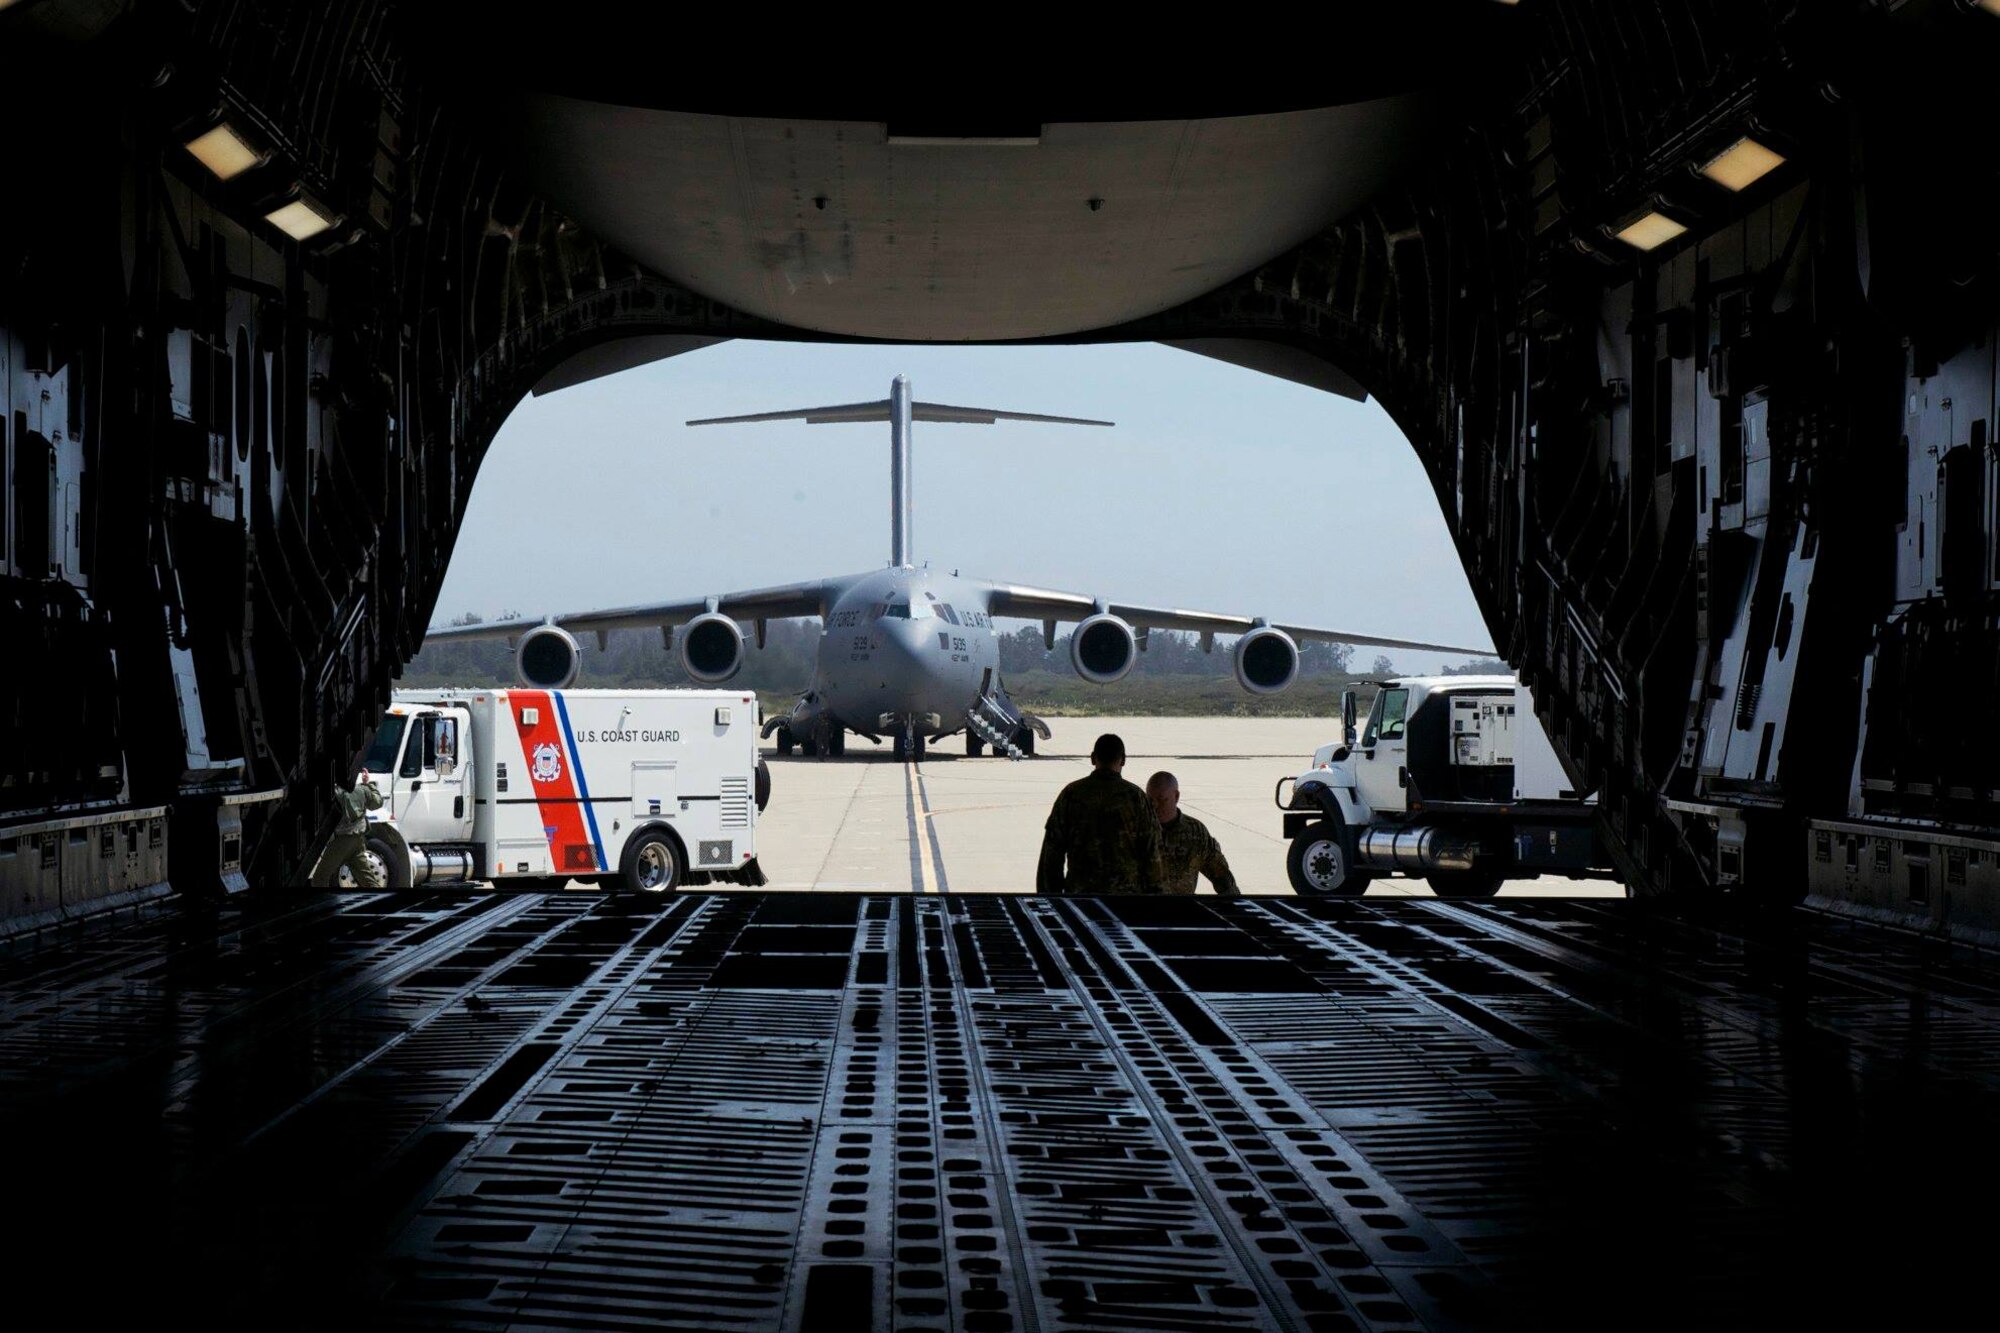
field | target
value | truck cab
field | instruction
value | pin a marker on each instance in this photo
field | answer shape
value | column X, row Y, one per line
column 1375, row 771
column 423, row 763
column 1449, row 778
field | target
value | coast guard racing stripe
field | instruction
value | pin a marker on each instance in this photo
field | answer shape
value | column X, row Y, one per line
column 582, row 786
column 552, row 771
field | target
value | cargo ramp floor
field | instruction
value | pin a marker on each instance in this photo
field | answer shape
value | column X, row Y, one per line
column 993, row 1113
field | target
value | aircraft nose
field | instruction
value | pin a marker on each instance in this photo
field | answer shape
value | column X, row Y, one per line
column 908, row 642
column 911, row 660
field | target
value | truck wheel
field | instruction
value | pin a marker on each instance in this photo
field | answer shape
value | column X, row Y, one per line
column 973, row 745
column 395, row 870
column 785, row 740
column 1319, row 863
column 1465, row 883
column 763, row 785
column 652, row 864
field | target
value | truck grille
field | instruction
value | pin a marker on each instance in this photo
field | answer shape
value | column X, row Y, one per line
column 736, row 803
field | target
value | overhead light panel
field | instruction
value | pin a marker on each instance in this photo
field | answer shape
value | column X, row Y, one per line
column 1744, row 163
column 224, row 152
column 301, row 219
column 1650, row 231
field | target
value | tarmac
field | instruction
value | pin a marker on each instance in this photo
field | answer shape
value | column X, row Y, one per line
column 954, row 824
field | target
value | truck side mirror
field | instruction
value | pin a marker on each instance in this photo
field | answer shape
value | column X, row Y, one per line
column 1347, row 716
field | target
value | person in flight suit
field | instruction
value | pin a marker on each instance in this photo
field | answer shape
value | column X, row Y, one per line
column 1187, row 848
column 350, row 840
column 1101, row 836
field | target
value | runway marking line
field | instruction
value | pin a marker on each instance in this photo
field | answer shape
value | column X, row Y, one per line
column 920, row 865
column 926, row 872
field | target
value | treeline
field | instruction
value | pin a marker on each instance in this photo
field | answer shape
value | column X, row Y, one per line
column 1173, row 677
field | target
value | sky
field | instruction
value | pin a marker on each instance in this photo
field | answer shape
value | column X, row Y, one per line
column 1218, row 489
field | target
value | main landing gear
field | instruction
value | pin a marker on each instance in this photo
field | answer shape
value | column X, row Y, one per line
column 831, row 742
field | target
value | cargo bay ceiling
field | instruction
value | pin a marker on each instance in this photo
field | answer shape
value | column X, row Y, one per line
column 843, row 227
column 1685, row 306
column 962, row 203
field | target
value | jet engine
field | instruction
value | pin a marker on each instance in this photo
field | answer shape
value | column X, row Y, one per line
column 711, row 648
column 1266, row 660
column 547, row 658
column 1103, row 649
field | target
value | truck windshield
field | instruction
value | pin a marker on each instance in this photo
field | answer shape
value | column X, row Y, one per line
column 388, row 743
column 1385, row 720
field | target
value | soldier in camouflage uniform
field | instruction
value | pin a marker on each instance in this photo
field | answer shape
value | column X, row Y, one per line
column 350, row 840
column 1187, row 848
column 1104, row 829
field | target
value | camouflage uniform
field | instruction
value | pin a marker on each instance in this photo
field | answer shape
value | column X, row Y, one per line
column 1188, row 849
column 1105, row 827
column 350, row 840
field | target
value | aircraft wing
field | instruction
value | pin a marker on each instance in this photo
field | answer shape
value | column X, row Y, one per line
column 1017, row 602
column 792, row 599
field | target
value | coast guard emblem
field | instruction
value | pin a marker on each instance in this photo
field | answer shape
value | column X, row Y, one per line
column 548, row 762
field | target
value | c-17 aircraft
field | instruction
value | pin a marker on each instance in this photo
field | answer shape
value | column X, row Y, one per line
column 907, row 652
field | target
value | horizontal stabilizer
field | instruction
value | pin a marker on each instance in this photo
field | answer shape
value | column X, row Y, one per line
column 964, row 416
column 986, row 416
column 812, row 416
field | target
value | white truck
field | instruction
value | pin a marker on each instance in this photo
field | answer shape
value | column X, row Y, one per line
column 645, row 789
column 1452, row 779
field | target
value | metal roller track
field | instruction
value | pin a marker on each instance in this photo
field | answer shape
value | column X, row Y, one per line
column 789, row 1112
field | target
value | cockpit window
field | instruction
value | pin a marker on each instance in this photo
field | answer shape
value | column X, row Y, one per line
column 896, row 611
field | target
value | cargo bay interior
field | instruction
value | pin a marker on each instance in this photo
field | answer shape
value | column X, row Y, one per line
column 1687, row 310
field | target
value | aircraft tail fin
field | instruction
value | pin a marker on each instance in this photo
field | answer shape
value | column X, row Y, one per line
column 899, row 410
